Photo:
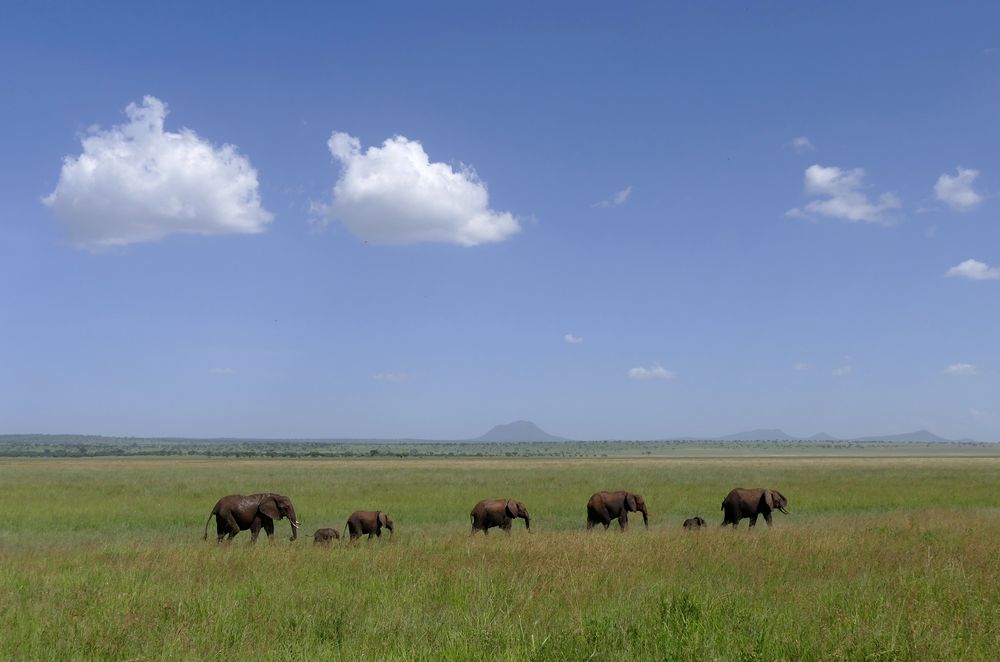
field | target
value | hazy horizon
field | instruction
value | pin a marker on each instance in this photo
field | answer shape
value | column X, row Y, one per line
column 421, row 221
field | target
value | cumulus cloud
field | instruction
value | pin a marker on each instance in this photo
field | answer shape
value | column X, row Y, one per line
column 655, row 371
column 843, row 371
column 801, row 144
column 392, row 377
column 572, row 340
column 961, row 370
column 617, row 200
column 974, row 270
column 957, row 191
column 842, row 196
column 137, row 182
column 394, row 194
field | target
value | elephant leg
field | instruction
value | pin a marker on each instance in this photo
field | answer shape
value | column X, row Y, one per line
column 506, row 526
column 269, row 529
column 254, row 531
column 231, row 527
column 767, row 518
column 753, row 520
column 623, row 520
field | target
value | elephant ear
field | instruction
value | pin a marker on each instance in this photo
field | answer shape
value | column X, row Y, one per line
column 511, row 507
column 269, row 507
column 767, row 499
column 382, row 520
column 630, row 503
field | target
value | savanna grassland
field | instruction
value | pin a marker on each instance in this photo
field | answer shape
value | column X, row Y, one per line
column 881, row 558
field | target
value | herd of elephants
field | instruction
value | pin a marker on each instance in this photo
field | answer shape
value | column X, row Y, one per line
column 236, row 512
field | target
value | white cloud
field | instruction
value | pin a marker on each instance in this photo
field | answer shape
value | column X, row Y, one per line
column 617, row 200
column 571, row 339
column 843, row 196
column 799, row 365
column 957, row 191
column 221, row 371
column 842, row 371
column 392, row 377
column 974, row 270
column 394, row 194
column 656, row 371
column 961, row 370
column 801, row 144
column 136, row 182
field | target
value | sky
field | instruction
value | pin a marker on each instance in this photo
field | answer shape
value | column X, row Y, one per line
column 248, row 219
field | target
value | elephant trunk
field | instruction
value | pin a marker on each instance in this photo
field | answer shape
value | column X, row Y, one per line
column 294, row 521
column 527, row 522
column 645, row 517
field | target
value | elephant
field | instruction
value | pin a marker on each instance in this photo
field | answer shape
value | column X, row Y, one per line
column 694, row 523
column 498, row 512
column 606, row 506
column 363, row 522
column 324, row 536
column 743, row 502
column 236, row 512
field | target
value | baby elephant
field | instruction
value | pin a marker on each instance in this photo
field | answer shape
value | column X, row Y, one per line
column 694, row 523
column 368, row 522
column 324, row 536
column 498, row 512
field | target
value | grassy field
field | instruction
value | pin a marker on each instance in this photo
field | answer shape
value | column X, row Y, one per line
column 881, row 558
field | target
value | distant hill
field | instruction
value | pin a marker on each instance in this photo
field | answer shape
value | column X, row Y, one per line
column 758, row 435
column 774, row 434
column 518, row 431
column 920, row 435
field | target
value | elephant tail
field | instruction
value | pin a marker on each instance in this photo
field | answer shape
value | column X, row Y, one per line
column 205, row 537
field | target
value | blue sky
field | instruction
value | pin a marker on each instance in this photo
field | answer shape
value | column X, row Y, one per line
column 701, row 218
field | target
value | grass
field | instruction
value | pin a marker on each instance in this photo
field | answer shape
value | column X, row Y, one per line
column 882, row 558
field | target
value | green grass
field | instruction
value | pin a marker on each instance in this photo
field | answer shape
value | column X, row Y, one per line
column 882, row 558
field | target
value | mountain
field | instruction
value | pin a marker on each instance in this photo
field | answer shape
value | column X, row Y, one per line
column 758, row 435
column 518, row 431
column 920, row 435
column 822, row 436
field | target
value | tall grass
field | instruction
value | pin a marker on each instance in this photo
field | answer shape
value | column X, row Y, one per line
column 881, row 559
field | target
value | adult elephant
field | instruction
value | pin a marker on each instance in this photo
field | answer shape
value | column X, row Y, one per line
column 752, row 502
column 370, row 522
column 606, row 506
column 236, row 512
column 498, row 512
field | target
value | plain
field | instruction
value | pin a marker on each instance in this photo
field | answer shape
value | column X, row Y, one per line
column 881, row 558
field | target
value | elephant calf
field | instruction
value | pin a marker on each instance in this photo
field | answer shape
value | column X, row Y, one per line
column 694, row 523
column 606, row 506
column 498, row 512
column 363, row 522
column 743, row 502
column 325, row 536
